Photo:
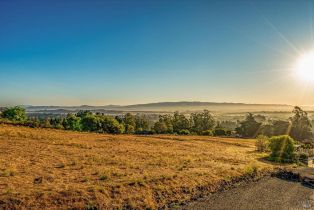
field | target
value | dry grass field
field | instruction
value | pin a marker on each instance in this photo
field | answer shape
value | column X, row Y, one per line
column 62, row 169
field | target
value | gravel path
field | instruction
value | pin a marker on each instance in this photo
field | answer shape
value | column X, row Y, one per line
column 268, row 193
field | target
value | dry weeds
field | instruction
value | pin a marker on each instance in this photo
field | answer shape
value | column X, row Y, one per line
column 62, row 169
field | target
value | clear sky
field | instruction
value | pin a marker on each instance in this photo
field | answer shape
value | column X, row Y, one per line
column 124, row 52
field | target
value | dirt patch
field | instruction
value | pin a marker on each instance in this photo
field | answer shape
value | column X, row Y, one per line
column 267, row 193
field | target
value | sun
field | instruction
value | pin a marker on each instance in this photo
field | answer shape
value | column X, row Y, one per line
column 305, row 67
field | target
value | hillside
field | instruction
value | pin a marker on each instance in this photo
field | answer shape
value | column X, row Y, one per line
column 165, row 107
column 213, row 106
column 63, row 169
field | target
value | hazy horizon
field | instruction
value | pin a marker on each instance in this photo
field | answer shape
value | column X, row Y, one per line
column 123, row 52
column 157, row 102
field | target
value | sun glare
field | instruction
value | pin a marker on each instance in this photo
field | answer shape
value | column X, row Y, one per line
column 305, row 67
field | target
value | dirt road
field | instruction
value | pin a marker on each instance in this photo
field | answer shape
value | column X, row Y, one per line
column 268, row 193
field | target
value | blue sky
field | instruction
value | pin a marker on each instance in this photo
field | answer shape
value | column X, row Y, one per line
column 124, row 52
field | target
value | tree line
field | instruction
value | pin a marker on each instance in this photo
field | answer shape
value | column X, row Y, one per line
column 199, row 123
column 298, row 126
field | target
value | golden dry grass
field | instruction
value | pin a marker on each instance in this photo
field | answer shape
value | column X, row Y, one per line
column 61, row 169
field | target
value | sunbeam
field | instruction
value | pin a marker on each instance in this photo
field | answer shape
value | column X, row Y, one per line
column 282, row 36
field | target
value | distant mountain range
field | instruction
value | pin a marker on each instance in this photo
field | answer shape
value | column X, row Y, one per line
column 169, row 107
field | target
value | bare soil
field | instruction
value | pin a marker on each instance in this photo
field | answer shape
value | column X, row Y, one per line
column 267, row 193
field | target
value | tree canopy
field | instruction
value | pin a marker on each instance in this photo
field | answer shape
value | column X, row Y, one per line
column 14, row 113
column 300, row 125
column 249, row 127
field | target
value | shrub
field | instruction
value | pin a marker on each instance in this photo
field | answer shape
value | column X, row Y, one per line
column 33, row 123
column 303, row 157
column 282, row 148
column 207, row 133
column 262, row 143
column 300, row 157
column 251, row 170
column 144, row 132
column 184, row 132
column 219, row 132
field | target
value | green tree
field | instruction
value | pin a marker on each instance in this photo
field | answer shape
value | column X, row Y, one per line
column 167, row 119
column 15, row 114
column 164, row 124
column 141, row 123
column 180, row 122
column 109, row 124
column 72, row 122
column 267, row 130
column 129, row 123
column 260, row 118
column 57, row 123
column 275, row 128
column 280, row 127
column 249, row 127
column 84, row 113
column 228, row 125
column 160, row 127
column 91, row 123
column 202, row 121
column 300, row 125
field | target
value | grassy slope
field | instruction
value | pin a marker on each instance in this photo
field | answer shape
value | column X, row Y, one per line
column 52, row 168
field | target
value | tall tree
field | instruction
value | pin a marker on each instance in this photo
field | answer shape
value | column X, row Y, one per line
column 300, row 125
column 141, row 123
column 280, row 127
column 248, row 127
column 180, row 122
column 202, row 121
column 129, row 123
column 164, row 124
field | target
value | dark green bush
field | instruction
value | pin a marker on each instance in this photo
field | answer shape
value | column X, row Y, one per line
column 207, row 133
column 282, row 148
column 184, row 132
column 219, row 132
